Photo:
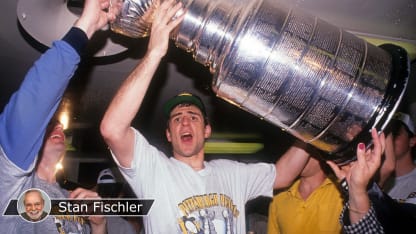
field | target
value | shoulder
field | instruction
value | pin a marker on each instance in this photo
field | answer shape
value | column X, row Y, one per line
column 241, row 166
column 238, row 163
column 234, row 163
column 224, row 162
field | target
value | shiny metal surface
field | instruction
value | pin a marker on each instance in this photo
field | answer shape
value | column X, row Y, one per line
column 320, row 83
column 135, row 17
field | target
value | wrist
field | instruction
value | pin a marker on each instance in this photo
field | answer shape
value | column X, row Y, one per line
column 77, row 38
column 359, row 201
column 356, row 210
column 357, row 193
column 84, row 26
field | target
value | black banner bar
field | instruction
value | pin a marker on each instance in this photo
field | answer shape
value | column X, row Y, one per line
column 86, row 207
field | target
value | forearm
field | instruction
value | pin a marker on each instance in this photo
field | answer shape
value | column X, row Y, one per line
column 359, row 204
column 129, row 97
column 29, row 110
column 289, row 166
column 115, row 126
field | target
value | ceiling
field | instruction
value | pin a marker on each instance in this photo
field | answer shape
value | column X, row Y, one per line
column 98, row 78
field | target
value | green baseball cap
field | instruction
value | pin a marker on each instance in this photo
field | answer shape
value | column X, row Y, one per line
column 183, row 98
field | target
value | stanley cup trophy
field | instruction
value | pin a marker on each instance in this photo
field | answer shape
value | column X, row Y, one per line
column 321, row 84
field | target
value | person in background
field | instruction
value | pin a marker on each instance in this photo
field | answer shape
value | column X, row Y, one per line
column 109, row 186
column 368, row 209
column 312, row 203
column 31, row 143
column 401, row 185
column 190, row 195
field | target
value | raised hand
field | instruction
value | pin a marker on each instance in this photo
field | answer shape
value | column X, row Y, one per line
column 359, row 172
column 167, row 16
column 96, row 15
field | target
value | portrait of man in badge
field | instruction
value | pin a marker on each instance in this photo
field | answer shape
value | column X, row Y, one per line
column 34, row 205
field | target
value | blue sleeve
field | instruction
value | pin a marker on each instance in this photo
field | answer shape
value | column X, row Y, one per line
column 24, row 119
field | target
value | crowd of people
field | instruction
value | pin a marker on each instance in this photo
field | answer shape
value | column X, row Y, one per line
column 191, row 194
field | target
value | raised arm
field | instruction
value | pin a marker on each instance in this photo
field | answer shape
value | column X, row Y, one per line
column 25, row 117
column 289, row 166
column 115, row 126
column 358, row 175
column 361, row 172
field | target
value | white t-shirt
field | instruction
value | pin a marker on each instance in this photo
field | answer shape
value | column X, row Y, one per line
column 211, row 200
column 404, row 187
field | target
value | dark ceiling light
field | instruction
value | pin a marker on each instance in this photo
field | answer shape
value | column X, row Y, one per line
column 49, row 20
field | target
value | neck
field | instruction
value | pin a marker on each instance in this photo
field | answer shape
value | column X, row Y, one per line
column 308, row 184
column 198, row 167
column 46, row 168
column 196, row 162
column 404, row 165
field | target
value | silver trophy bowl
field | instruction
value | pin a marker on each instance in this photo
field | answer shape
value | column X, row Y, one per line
column 319, row 83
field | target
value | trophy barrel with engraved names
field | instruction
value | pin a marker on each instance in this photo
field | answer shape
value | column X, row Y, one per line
column 321, row 84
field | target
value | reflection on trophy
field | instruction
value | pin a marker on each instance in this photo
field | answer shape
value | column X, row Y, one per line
column 321, row 84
